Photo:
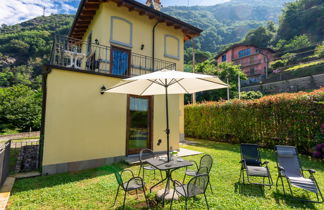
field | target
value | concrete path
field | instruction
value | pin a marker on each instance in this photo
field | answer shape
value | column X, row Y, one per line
column 5, row 191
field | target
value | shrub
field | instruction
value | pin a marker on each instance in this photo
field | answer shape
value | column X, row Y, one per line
column 319, row 51
column 248, row 95
column 278, row 64
column 287, row 118
column 291, row 58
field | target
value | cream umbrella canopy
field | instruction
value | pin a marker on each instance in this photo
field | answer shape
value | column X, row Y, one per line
column 167, row 82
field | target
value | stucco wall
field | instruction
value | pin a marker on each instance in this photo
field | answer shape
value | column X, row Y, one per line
column 142, row 27
column 81, row 124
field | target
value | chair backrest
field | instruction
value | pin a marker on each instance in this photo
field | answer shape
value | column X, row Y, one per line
column 119, row 178
column 250, row 153
column 145, row 154
column 206, row 161
column 197, row 185
column 287, row 157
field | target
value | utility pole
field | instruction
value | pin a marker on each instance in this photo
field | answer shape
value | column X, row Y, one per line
column 193, row 67
column 44, row 8
column 228, row 96
column 239, row 86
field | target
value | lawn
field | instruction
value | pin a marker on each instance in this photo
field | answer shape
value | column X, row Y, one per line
column 96, row 188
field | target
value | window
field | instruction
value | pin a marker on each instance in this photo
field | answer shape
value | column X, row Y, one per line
column 252, row 71
column 223, row 58
column 244, row 52
column 171, row 46
column 120, row 60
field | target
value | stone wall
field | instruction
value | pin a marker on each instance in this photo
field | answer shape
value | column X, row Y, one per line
column 291, row 85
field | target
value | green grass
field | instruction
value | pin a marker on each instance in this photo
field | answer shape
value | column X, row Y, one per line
column 95, row 189
column 304, row 65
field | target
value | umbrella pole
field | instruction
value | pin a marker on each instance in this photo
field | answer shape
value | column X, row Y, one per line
column 167, row 121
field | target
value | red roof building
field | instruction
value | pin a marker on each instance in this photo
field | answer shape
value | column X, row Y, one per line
column 254, row 61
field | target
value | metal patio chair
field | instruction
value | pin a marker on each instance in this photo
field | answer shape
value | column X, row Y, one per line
column 251, row 163
column 134, row 183
column 145, row 154
column 196, row 186
column 205, row 165
column 289, row 167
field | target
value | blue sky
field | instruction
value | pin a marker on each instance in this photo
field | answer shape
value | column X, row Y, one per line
column 16, row 11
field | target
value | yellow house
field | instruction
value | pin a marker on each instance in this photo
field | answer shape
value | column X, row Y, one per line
column 109, row 40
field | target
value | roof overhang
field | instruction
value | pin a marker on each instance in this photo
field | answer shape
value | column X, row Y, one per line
column 87, row 10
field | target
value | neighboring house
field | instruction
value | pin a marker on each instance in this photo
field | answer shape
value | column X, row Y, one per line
column 254, row 61
column 83, row 127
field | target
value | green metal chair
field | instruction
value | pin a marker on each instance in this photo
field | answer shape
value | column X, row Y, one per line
column 196, row 186
column 134, row 183
column 145, row 154
column 205, row 165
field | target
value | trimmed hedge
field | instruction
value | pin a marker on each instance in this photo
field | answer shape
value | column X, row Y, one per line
column 287, row 119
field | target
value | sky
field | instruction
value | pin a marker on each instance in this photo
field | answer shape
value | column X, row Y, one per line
column 16, row 11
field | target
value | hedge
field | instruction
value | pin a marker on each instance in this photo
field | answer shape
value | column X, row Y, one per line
column 286, row 119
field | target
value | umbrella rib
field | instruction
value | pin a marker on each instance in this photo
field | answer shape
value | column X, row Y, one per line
column 156, row 82
column 212, row 81
column 147, row 87
column 182, row 85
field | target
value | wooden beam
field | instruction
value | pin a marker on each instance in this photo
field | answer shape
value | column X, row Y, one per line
column 81, row 22
column 177, row 26
column 131, row 8
column 88, row 13
column 141, row 13
column 169, row 24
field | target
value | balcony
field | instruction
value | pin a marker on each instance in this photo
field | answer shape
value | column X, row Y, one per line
column 78, row 55
column 246, row 64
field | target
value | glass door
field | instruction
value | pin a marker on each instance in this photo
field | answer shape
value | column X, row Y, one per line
column 139, row 124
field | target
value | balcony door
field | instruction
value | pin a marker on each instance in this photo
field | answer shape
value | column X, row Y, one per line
column 139, row 124
column 120, row 61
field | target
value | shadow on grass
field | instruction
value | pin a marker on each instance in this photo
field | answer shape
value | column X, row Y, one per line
column 269, row 154
column 292, row 201
column 249, row 189
column 40, row 182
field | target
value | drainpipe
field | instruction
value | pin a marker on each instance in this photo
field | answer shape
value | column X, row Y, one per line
column 153, row 44
column 267, row 62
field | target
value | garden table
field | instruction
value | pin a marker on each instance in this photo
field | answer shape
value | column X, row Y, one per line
column 168, row 167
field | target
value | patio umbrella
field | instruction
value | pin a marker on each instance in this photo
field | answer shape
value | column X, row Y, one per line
column 167, row 82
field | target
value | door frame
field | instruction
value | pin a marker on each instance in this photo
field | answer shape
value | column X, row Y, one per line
column 112, row 47
column 150, row 120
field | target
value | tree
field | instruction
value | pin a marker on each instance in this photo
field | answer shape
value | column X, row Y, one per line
column 20, row 107
column 261, row 37
column 223, row 71
column 302, row 17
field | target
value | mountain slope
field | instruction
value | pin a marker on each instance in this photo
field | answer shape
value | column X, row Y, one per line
column 228, row 22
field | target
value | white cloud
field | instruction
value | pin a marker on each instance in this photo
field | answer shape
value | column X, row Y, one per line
column 15, row 11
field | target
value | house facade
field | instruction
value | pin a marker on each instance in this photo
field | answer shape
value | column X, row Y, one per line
column 254, row 61
column 83, row 127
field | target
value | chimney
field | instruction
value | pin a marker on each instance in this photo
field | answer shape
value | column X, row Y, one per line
column 155, row 4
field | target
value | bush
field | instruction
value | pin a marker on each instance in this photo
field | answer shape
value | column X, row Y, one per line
column 287, row 119
column 290, row 58
column 278, row 64
column 319, row 51
column 248, row 95
column 20, row 108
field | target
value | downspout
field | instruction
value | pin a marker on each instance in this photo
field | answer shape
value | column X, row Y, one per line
column 153, row 44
